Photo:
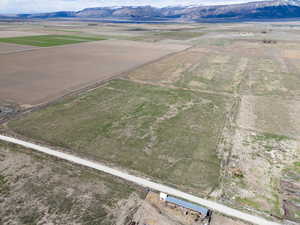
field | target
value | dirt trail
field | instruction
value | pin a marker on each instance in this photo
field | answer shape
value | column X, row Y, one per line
column 143, row 182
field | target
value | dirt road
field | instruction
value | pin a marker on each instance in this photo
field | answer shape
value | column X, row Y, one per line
column 143, row 182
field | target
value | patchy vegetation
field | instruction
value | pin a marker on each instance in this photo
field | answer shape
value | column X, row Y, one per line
column 197, row 69
column 270, row 115
column 151, row 130
column 262, row 159
column 289, row 186
column 36, row 189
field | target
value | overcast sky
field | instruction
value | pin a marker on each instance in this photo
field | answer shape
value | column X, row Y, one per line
column 28, row 6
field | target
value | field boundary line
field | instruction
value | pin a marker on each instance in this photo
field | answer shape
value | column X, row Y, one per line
column 86, row 87
column 142, row 181
column 40, row 48
column 37, row 48
column 159, row 84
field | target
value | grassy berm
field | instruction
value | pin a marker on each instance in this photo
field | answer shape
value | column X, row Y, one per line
column 167, row 134
column 36, row 189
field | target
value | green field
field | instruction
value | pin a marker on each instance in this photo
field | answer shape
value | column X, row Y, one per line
column 167, row 134
column 49, row 40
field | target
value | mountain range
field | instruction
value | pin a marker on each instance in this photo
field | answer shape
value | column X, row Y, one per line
column 276, row 9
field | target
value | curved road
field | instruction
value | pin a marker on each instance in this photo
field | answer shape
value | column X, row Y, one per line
column 143, row 182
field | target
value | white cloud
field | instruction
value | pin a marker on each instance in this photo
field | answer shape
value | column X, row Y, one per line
column 29, row 6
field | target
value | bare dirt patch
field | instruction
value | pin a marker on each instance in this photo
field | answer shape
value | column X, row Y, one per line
column 293, row 54
column 223, row 220
column 45, row 74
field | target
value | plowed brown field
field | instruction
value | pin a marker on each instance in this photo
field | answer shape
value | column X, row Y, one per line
column 11, row 48
column 35, row 77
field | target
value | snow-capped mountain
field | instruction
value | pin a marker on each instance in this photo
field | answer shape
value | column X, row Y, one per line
column 275, row 9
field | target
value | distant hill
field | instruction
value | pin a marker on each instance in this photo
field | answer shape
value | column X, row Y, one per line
column 48, row 15
column 276, row 9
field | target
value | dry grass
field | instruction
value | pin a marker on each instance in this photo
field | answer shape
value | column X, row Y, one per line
column 271, row 115
column 197, row 68
column 169, row 135
column 35, row 189
column 255, row 170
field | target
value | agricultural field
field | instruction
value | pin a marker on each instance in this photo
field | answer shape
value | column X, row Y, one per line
column 157, row 36
column 49, row 40
column 38, row 189
column 249, row 67
column 196, row 68
column 211, row 109
column 274, row 72
column 48, row 74
column 138, row 127
column 273, row 115
column 12, row 33
column 6, row 48
column 261, row 153
column 136, row 32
